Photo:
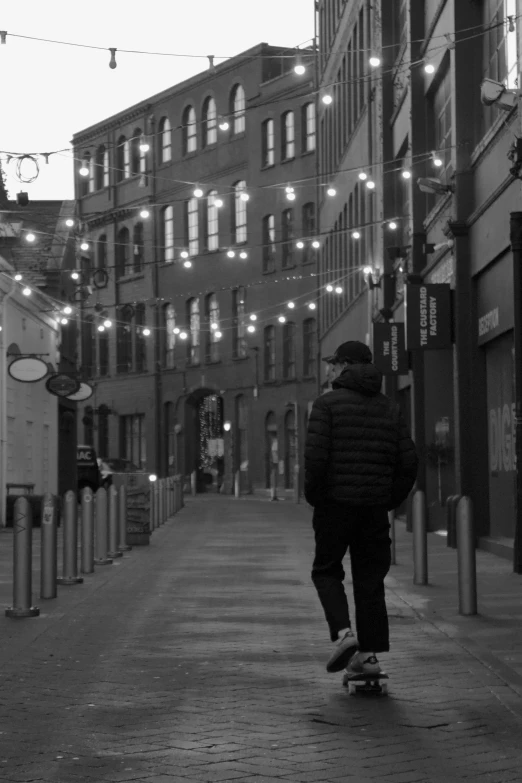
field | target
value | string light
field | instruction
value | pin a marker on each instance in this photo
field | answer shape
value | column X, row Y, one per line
column 101, row 327
column 67, row 310
column 198, row 192
column 327, row 99
column 218, row 202
column 75, row 275
column 69, row 222
column 338, row 289
column 356, row 235
column 363, row 176
column 406, row 174
column 244, row 196
column 370, row 184
column 187, row 264
column 392, row 225
column 231, row 254
column 299, row 68
column 331, row 192
column 107, row 323
column 253, row 317
column 64, row 321
column 26, row 291
column 30, row 237
column 291, row 305
column 282, row 319
column 375, row 61
column 251, row 328
column 84, row 170
column 368, row 270
column 437, row 160
column 311, row 305
column 183, row 335
column 329, row 288
column 144, row 213
column 223, row 124
column 316, row 244
column 144, row 145
column 243, row 254
column 184, row 254
column 146, row 332
column 84, row 246
column 18, row 277
column 429, row 68
column 299, row 245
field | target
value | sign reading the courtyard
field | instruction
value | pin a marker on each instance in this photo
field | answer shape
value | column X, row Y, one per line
column 428, row 317
column 389, row 350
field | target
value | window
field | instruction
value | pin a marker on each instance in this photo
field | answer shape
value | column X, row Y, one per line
column 140, row 345
column 308, row 127
column 271, row 449
column 167, row 233
column 212, row 224
column 441, row 124
column 241, row 429
column 269, row 248
column 309, row 229
column 103, row 343
column 133, row 439
column 124, row 339
column 101, row 252
column 269, row 354
column 500, row 49
column 288, row 236
column 88, row 347
column 165, row 140
column 209, row 122
column 213, row 335
column 122, row 252
column 288, row 136
column 309, row 347
column 189, row 130
column 102, row 168
column 239, row 346
column 122, row 159
column 192, row 225
column 194, row 321
column 137, row 242
column 268, row 143
column 240, row 213
column 137, row 156
column 289, row 351
column 290, row 449
column 237, row 109
column 169, row 323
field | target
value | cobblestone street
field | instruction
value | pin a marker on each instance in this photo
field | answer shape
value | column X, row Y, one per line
column 202, row 658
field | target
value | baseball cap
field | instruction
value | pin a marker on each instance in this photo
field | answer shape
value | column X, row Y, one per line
column 351, row 351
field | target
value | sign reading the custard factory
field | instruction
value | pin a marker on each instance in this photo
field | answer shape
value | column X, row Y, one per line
column 428, row 317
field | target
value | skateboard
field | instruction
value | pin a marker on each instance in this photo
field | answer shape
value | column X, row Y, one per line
column 366, row 683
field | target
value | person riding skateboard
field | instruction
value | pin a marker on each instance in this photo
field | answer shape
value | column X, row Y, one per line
column 360, row 463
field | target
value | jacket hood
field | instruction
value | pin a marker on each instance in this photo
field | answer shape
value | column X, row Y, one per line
column 364, row 378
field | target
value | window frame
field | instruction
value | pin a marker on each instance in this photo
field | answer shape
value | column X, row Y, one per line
column 167, row 233
column 240, row 214
column 169, row 343
column 209, row 123
column 288, row 136
column 309, row 127
column 238, row 109
column 165, row 140
column 269, row 246
column 268, row 142
column 194, row 320
column 269, row 354
column 189, row 131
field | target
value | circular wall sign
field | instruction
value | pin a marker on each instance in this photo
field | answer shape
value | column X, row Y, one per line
column 28, row 369
column 62, row 385
column 84, row 392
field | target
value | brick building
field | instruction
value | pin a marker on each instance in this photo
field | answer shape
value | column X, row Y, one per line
column 417, row 114
column 181, row 357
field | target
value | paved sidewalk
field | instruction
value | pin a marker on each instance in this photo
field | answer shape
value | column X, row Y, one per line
column 202, row 658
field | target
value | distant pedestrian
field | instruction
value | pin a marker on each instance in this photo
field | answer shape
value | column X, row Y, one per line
column 360, row 462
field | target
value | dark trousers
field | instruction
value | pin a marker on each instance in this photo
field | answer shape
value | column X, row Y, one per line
column 366, row 532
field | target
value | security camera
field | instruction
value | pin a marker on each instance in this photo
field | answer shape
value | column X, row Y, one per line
column 433, row 185
column 492, row 92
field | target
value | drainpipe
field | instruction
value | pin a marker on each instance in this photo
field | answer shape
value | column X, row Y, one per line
column 155, row 286
column 3, row 402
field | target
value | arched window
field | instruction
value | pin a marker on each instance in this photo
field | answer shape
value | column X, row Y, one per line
column 136, row 154
column 309, row 347
column 92, row 172
column 308, row 127
column 101, row 252
column 287, row 235
column 239, row 344
column 269, row 247
column 165, row 140
column 140, row 345
column 122, row 254
column 268, row 143
column 288, row 136
column 189, row 130
column 237, row 109
column 271, row 449
column 269, row 354
column 194, row 321
column 289, row 351
column 167, row 233
column 209, row 122
column 309, row 229
column 122, row 159
column 169, row 323
column 213, row 336
column 137, row 241
column 103, row 344
column 240, row 213
column 212, row 226
column 192, row 225
column 290, row 449
column 102, row 168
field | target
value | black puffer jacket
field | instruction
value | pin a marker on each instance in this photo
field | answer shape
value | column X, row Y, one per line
column 358, row 448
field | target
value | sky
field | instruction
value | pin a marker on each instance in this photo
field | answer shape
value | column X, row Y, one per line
column 51, row 91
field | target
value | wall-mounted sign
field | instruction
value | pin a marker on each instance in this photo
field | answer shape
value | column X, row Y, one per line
column 28, row 369
column 62, row 385
column 428, row 317
column 84, row 392
column 389, row 349
column 495, row 313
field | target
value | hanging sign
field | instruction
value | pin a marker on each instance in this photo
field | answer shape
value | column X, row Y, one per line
column 428, row 316
column 28, row 369
column 389, row 349
column 84, row 392
column 62, row 385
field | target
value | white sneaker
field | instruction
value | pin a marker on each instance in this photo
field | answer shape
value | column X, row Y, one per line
column 364, row 663
column 343, row 653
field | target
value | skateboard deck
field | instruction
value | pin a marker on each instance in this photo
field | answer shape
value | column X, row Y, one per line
column 366, row 683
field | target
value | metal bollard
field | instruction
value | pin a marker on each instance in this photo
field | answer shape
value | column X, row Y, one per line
column 237, row 479
column 451, row 520
column 297, row 488
column 48, row 547
column 122, row 509
column 193, row 482
column 151, row 507
column 420, row 539
column 466, row 558
column 273, row 483
column 87, row 556
column 391, row 520
column 102, row 535
column 22, row 561
column 156, row 505
column 70, row 541
column 114, row 524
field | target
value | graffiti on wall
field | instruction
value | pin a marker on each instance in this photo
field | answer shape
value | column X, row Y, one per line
column 502, row 454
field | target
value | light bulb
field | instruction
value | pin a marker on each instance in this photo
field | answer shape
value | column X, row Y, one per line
column 84, row 246
column 67, row 310
column 30, row 237
column 187, row 264
column 300, row 245
column 291, row 305
column 311, row 305
column 363, row 176
column 218, row 203
column 224, row 125
column 69, row 222
column 338, row 290
column 429, row 68
column 231, row 254
column 144, row 146
column 101, row 327
column 144, row 213
column 253, row 317
column 356, row 235
column 243, row 254
column 331, row 191
column 367, row 270
column 26, row 291
column 299, row 69
column 392, row 225
column 251, row 328
column 64, row 321
column 183, row 335
column 316, row 244
column 289, row 189
column 213, row 326
column 153, row 477
column 406, row 174
column 198, row 192
column 176, row 330
column 327, row 99
column 75, row 275
column 244, row 196
column 184, row 254
column 290, row 196
column 84, row 170
column 437, row 160
column 219, row 335
column 370, row 184
column 329, row 288
column 146, row 332
column 375, row 61
column 282, row 319
column 18, row 276
column 107, row 323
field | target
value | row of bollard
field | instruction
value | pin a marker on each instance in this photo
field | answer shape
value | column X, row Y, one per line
column 461, row 536
column 103, row 524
